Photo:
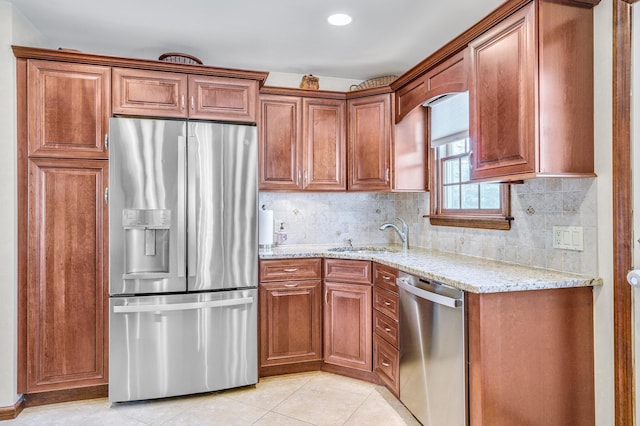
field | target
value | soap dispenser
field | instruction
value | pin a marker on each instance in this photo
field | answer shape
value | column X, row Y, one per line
column 281, row 235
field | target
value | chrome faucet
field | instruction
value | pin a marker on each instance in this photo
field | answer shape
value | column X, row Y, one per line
column 404, row 234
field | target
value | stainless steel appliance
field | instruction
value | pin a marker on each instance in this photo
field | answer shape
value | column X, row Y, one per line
column 183, row 257
column 433, row 375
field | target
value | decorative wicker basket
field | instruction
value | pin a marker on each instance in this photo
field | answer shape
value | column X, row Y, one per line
column 374, row 82
column 180, row 58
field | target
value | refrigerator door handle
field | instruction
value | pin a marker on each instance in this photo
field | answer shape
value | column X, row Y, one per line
column 182, row 146
column 182, row 306
column 191, row 207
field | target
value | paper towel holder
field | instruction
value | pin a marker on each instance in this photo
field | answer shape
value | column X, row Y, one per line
column 265, row 229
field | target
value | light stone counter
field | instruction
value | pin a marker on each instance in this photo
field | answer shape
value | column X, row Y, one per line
column 467, row 273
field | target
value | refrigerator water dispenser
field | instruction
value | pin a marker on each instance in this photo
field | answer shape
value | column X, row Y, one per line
column 147, row 237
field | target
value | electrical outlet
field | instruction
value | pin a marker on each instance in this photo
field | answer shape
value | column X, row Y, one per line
column 568, row 238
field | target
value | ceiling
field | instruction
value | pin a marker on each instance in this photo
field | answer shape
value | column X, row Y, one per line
column 290, row 36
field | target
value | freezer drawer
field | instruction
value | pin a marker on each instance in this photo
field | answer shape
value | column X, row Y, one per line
column 170, row 345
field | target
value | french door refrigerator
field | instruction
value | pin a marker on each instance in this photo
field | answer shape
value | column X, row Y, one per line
column 183, row 257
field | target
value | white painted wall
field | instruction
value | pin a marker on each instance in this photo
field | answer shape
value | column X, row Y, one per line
column 284, row 79
column 14, row 29
column 603, row 296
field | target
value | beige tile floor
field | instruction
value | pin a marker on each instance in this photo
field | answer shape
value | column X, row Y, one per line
column 314, row 398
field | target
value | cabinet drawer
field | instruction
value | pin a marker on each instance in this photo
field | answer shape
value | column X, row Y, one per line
column 344, row 270
column 385, row 277
column 290, row 269
column 386, row 302
column 386, row 363
column 385, row 327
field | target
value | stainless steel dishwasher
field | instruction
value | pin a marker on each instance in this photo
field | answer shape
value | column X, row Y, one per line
column 433, row 378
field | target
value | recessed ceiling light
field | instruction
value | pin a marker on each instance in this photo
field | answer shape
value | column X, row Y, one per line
column 339, row 19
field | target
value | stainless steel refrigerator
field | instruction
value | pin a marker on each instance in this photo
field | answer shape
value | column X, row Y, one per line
column 183, row 257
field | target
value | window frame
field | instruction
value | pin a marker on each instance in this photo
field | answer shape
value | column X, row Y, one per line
column 498, row 219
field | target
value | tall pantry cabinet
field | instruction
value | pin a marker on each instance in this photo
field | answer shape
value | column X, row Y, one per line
column 63, row 112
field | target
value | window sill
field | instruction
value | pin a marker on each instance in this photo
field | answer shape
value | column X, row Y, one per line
column 499, row 223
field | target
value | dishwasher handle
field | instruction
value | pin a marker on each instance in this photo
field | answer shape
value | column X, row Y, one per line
column 428, row 295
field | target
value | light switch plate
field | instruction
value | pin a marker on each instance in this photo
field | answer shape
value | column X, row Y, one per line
column 568, row 238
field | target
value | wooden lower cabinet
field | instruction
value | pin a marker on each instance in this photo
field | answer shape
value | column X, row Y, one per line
column 347, row 325
column 290, row 300
column 67, row 314
column 290, row 322
column 531, row 358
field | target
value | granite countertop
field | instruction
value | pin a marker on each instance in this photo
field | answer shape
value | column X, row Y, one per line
column 467, row 273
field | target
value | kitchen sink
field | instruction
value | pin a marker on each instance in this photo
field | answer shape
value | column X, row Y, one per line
column 364, row 249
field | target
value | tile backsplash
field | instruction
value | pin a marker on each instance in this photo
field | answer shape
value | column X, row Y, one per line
column 536, row 206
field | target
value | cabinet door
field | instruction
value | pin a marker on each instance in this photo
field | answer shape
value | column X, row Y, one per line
column 324, row 146
column 502, row 98
column 290, row 322
column 348, row 346
column 149, row 93
column 68, row 109
column 280, row 143
column 219, row 98
column 369, row 143
column 67, row 274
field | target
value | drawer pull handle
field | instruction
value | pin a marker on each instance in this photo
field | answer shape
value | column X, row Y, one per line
column 290, row 269
column 385, row 363
column 386, row 278
column 387, row 303
column 291, row 285
column 387, row 329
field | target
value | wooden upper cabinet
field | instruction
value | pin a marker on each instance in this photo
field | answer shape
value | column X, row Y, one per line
column 170, row 94
column 325, row 144
column 531, row 94
column 149, row 93
column 67, row 314
column 369, row 142
column 450, row 76
column 302, row 143
column 410, row 152
column 502, row 97
column 222, row 98
column 68, row 109
column 280, row 143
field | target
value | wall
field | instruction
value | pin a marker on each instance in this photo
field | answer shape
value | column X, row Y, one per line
column 537, row 205
column 283, row 79
column 603, row 296
column 14, row 29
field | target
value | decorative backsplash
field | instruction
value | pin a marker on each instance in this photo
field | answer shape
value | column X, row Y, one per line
column 536, row 205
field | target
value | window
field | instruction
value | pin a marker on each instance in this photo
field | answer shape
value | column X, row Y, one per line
column 455, row 199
